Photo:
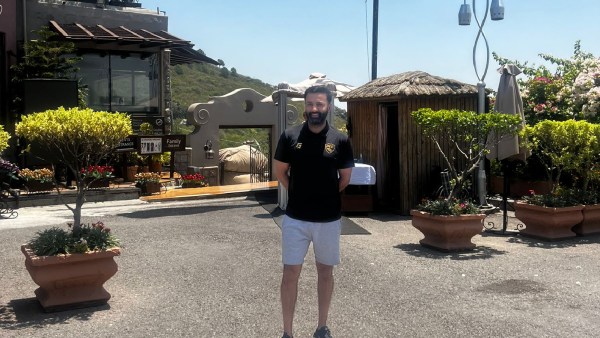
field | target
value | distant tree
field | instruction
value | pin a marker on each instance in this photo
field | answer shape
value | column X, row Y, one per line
column 200, row 51
column 234, row 71
column 225, row 72
column 45, row 58
column 221, row 62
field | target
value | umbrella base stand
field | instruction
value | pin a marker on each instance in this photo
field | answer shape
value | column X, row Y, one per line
column 490, row 227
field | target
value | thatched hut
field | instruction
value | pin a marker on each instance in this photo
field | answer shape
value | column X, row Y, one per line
column 383, row 132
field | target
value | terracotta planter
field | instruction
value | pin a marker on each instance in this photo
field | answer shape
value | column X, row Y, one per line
column 548, row 223
column 71, row 281
column 191, row 185
column 150, row 188
column 130, row 173
column 37, row 186
column 155, row 166
column 447, row 233
column 591, row 221
column 97, row 184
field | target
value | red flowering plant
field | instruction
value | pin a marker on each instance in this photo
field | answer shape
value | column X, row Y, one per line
column 194, row 180
column 97, row 171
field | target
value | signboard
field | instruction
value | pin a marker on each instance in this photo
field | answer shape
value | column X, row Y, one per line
column 173, row 143
column 150, row 145
column 128, row 144
column 157, row 123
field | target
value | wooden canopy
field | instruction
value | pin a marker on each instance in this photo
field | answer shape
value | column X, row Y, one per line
column 123, row 38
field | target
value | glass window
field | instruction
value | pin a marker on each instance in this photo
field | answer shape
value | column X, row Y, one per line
column 125, row 83
column 94, row 76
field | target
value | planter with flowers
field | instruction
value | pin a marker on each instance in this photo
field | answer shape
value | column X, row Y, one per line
column 448, row 225
column 564, row 146
column 37, row 180
column 78, row 139
column 550, row 216
column 193, row 181
column 97, row 176
column 450, row 222
column 149, row 183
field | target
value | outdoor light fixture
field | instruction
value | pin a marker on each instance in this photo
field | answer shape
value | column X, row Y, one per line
column 464, row 18
column 464, row 14
column 497, row 10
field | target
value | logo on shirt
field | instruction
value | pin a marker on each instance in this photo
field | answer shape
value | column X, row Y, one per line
column 329, row 148
column 299, row 146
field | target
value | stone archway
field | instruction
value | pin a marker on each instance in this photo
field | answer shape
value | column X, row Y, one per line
column 242, row 108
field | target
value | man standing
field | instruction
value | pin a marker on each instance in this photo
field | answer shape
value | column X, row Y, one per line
column 313, row 162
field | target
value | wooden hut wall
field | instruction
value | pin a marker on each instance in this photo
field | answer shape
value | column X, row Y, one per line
column 363, row 118
column 420, row 161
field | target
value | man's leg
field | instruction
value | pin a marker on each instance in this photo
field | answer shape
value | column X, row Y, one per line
column 325, row 291
column 289, row 294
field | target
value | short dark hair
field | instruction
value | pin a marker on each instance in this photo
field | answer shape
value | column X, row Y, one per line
column 319, row 90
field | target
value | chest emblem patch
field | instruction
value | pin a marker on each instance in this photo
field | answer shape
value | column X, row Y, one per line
column 299, row 146
column 329, row 147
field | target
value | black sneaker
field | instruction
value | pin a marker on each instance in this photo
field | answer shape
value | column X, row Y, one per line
column 285, row 335
column 323, row 332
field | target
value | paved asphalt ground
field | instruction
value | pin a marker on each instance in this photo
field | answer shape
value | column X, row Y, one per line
column 212, row 268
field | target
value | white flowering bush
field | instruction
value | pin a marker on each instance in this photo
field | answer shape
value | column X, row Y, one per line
column 586, row 89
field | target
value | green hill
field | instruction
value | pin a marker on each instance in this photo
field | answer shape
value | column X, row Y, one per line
column 192, row 83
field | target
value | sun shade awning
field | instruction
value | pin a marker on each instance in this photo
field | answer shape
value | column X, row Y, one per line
column 123, row 38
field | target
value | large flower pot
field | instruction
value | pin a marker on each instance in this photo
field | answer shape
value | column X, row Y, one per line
column 130, row 172
column 591, row 221
column 548, row 223
column 97, row 183
column 150, row 188
column 447, row 233
column 38, row 186
column 71, row 281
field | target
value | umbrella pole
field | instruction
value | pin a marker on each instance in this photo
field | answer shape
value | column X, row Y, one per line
column 505, row 193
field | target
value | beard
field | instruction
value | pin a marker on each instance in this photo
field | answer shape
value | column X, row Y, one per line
column 315, row 121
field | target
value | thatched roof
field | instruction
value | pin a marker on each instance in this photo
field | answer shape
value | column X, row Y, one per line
column 414, row 83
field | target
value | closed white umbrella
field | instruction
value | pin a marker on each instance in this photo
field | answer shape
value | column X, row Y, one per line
column 509, row 101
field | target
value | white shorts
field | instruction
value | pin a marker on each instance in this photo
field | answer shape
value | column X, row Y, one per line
column 296, row 236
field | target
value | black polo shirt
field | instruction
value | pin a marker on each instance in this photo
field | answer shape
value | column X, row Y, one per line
column 313, row 191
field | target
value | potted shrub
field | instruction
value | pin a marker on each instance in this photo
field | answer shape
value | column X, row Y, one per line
column 193, row 181
column 71, row 266
column 450, row 222
column 78, row 138
column 37, row 180
column 564, row 146
column 148, row 183
column 550, row 216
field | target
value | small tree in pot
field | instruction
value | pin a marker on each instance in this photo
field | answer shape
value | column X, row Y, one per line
column 469, row 137
column 449, row 223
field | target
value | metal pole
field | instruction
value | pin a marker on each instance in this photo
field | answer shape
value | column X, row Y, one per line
column 481, row 179
column 375, row 30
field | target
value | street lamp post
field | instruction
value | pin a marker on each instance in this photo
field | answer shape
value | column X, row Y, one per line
column 464, row 19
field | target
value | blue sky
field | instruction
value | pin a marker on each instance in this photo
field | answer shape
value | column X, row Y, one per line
column 285, row 40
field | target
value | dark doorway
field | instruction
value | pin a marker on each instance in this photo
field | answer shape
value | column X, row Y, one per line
column 393, row 160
